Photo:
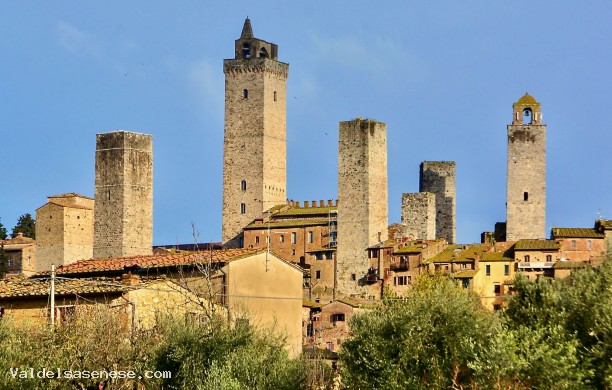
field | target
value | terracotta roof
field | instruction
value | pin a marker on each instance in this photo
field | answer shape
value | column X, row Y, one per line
column 385, row 244
column 306, row 211
column 495, row 256
column 575, row 233
column 287, row 224
column 544, row 245
column 459, row 253
column 153, row 261
column 570, row 264
column 22, row 287
column 70, row 195
column 311, row 304
column 418, row 248
column 19, row 240
column 470, row 273
column 69, row 206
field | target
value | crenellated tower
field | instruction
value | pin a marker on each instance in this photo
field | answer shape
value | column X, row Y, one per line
column 526, row 186
column 255, row 138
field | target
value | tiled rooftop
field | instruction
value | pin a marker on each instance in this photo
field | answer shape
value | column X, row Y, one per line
column 459, row 253
column 538, row 245
column 23, row 287
column 287, row 224
column 153, row 261
column 570, row 264
column 575, row 233
column 469, row 273
column 495, row 256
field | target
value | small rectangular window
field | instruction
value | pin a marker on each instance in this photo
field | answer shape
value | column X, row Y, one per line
column 589, row 244
column 318, row 275
column 548, row 258
column 292, row 252
column 242, row 208
column 488, row 269
column 353, row 277
column 525, row 196
column 506, row 270
column 497, row 289
column 256, row 240
column 310, row 237
column 293, row 237
column 282, row 238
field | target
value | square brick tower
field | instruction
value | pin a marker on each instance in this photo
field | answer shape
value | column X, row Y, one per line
column 123, row 215
column 439, row 177
column 255, row 141
column 526, row 187
column 362, row 199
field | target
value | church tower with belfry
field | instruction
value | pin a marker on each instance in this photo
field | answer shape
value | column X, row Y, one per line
column 255, row 138
column 526, row 186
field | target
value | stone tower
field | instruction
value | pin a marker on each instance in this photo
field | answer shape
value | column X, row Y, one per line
column 64, row 230
column 362, row 198
column 123, row 214
column 255, row 141
column 438, row 177
column 526, row 187
column 419, row 215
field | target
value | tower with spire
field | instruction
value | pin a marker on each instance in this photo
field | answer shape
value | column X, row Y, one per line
column 255, row 136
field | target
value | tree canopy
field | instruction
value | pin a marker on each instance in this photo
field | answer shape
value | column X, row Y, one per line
column 3, row 233
column 26, row 225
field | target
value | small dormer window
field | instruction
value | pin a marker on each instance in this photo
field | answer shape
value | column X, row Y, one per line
column 246, row 50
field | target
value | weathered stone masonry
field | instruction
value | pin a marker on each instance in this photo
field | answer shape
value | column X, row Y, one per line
column 419, row 215
column 362, row 198
column 123, row 214
column 439, row 177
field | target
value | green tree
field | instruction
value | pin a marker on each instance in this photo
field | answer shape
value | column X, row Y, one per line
column 3, row 261
column 428, row 340
column 3, row 233
column 26, row 225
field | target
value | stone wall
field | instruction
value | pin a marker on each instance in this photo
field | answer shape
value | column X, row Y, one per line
column 255, row 146
column 123, row 217
column 362, row 199
column 419, row 215
column 439, row 177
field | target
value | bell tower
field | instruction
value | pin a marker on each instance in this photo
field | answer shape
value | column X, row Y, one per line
column 255, row 137
column 526, row 186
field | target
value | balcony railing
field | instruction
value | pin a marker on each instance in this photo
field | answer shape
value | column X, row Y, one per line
column 535, row 264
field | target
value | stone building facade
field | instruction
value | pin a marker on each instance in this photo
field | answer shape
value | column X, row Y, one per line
column 439, row 177
column 419, row 215
column 123, row 216
column 255, row 144
column 20, row 253
column 526, row 186
column 64, row 230
column 362, row 199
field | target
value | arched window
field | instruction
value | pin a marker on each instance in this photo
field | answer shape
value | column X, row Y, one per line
column 527, row 116
column 526, row 258
column 246, row 50
column 242, row 208
column 245, row 93
column 243, row 185
column 263, row 53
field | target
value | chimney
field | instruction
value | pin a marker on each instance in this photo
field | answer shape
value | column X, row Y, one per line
column 477, row 261
column 130, row 280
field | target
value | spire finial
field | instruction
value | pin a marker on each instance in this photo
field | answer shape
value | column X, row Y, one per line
column 247, row 30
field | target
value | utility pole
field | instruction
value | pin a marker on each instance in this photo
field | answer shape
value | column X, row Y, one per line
column 52, row 296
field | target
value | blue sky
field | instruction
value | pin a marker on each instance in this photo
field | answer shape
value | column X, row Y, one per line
column 443, row 75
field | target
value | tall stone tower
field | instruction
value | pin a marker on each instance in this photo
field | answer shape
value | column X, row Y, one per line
column 255, row 142
column 362, row 198
column 419, row 215
column 123, row 214
column 526, row 187
column 438, row 177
